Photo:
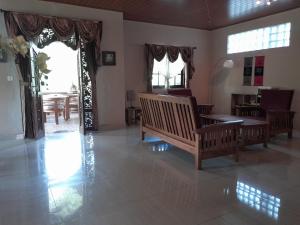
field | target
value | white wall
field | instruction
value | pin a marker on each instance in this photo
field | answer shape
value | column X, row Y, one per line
column 281, row 64
column 10, row 103
column 136, row 34
column 110, row 80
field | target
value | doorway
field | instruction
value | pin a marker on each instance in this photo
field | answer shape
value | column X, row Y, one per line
column 84, row 68
column 60, row 89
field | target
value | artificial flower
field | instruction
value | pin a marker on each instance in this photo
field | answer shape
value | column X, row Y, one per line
column 18, row 45
column 41, row 61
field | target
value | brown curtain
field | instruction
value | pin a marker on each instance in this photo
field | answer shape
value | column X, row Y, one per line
column 158, row 52
column 31, row 26
column 91, row 32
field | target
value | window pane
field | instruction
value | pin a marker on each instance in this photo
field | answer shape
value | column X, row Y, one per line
column 178, row 80
column 176, row 67
column 263, row 38
column 165, row 72
column 154, row 80
column 161, row 80
column 172, row 81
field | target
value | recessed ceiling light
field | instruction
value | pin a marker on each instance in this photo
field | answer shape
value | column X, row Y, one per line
column 265, row 2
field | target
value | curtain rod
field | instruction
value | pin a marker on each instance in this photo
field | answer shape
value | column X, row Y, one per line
column 47, row 16
column 194, row 48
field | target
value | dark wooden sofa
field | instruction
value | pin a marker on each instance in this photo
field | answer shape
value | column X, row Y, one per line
column 176, row 121
column 275, row 108
column 204, row 109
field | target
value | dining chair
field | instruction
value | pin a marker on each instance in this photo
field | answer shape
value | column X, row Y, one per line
column 72, row 105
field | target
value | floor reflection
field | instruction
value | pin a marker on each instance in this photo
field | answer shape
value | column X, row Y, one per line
column 64, row 202
column 70, row 167
column 256, row 199
column 63, row 156
column 161, row 147
column 89, row 162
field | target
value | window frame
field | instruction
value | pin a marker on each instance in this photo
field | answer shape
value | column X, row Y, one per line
column 276, row 36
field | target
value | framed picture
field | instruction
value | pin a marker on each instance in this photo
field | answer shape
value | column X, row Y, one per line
column 108, row 58
column 3, row 55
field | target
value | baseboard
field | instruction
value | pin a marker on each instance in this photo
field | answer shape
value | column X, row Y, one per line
column 108, row 127
column 19, row 136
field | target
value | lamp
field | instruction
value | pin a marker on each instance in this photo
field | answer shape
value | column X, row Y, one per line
column 226, row 64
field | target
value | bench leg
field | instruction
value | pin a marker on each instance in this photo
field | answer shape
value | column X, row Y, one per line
column 198, row 161
column 237, row 154
column 143, row 135
column 198, row 164
column 290, row 134
column 267, row 137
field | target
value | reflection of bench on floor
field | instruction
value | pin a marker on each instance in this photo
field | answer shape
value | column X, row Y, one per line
column 176, row 121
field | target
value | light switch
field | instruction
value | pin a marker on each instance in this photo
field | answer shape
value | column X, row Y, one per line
column 10, row 78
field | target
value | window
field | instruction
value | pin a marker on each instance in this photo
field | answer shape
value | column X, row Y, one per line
column 263, row 38
column 169, row 75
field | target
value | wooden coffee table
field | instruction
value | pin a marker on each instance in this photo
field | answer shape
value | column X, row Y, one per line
column 253, row 131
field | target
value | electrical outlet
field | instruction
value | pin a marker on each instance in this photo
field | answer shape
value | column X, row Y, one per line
column 10, row 78
column 20, row 136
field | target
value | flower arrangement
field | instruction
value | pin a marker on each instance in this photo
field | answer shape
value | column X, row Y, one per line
column 19, row 45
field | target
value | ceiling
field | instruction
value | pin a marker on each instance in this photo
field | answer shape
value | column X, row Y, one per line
column 203, row 14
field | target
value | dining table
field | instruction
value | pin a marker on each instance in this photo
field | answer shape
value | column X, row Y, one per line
column 56, row 103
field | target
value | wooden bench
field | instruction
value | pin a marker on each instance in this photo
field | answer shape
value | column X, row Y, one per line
column 203, row 109
column 274, row 108
column 252, row 131
column 176, row 121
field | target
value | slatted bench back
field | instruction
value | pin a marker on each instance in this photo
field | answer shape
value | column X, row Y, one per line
column 175, row 117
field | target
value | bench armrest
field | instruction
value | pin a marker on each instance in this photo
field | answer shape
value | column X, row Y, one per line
column 280, row 121
column 216, row 126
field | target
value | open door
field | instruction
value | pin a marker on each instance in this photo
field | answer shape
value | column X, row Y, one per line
column 80, row 110
column 88, row 93
column 37, row 101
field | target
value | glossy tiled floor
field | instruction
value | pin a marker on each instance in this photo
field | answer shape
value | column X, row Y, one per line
column 64, row 126
column 112, row 178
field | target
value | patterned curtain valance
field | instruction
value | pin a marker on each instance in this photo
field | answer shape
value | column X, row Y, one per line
column 32, row 26
column 158, row 52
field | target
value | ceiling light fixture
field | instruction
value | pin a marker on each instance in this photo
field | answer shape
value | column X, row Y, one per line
column 265, row 2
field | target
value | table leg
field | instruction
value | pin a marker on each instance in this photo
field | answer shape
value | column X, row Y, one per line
column 56, row 117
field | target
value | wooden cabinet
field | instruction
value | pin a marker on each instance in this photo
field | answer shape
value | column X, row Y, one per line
column 132, row 115
column 240, row 100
